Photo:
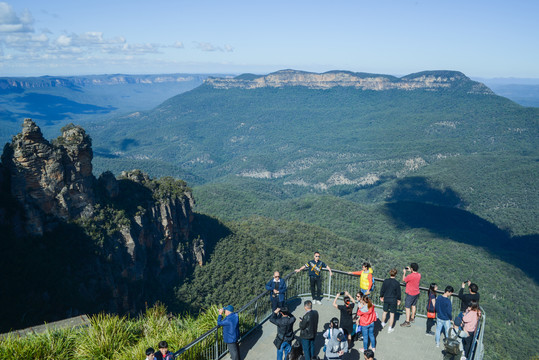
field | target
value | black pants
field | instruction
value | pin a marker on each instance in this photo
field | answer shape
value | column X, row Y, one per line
column 316, row 287
column 467, row 343
column 234, row 350
column 430, row 324
column 275, row 303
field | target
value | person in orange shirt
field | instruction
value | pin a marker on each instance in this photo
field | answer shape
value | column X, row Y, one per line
column 365, row 278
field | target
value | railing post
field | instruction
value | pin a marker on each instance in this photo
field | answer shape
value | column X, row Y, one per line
column 329, row 286
column 256, row 312
column 216, row 345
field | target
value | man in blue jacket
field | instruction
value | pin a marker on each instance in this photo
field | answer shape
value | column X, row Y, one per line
column 231, row 330
column 277, row 288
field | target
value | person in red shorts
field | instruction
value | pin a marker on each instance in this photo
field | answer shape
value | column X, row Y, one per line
column 412, row 292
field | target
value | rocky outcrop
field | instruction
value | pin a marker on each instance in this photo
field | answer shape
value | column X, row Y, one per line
column 140, row 229
column 51, row 182
column 428, row 80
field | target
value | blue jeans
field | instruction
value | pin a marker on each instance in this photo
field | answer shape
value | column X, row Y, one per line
column 308, row 348
column 368, row 334
column 446, row 324
column 285, row 347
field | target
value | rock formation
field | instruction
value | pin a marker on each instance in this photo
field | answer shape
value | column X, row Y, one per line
column 428, row 80
column 140, row 229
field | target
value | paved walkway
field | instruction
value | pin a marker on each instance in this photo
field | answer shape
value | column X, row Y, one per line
column 403, row 343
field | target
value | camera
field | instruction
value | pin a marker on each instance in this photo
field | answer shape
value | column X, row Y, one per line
column 341, row 293
column 407, row 268
column 466, row 281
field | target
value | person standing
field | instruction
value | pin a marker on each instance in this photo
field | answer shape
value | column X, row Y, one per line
column 285, row 331
column 412, row 292
column 366, row 321
column 308, row 326
column 431, row 306
column 231, row 330
column 347, row 313
column 466, row 299
column 390, row 295
column 315, row 271
column 365, row 278
column 443, row 310
column 277, row 288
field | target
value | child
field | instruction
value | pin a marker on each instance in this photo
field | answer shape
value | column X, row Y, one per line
column 150, row 353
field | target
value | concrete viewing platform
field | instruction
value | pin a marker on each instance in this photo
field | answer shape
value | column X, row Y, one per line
column 403, row 343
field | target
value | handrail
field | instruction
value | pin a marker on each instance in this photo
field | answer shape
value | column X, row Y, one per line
column 258, row 310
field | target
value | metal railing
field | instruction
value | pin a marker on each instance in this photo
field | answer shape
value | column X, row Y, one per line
column 210, row 346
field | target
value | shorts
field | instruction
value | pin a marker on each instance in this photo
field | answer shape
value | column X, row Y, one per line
column 391, row 307
column 411, row 300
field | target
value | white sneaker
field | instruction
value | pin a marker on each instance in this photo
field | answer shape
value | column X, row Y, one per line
column 383, row 325
column 319, row 302
column 390, row 330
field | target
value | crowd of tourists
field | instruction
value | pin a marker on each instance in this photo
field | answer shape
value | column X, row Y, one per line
column 358, row 316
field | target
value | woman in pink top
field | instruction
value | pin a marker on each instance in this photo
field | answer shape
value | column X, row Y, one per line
column 470, row 321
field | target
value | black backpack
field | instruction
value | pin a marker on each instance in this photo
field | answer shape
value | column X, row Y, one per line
column 452, row 343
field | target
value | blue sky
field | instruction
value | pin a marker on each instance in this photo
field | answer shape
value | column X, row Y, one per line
column 59, row 37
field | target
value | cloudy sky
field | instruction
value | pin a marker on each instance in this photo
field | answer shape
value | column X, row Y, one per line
column 59, row 37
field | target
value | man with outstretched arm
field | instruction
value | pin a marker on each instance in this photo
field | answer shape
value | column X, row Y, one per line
column 315, row 267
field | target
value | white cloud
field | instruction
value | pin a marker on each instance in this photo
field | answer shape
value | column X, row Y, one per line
column 206, row 46
column 178, row 45
column 11, row 23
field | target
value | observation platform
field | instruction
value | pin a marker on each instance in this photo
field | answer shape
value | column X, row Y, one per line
column 403, row 343
column 257, row 333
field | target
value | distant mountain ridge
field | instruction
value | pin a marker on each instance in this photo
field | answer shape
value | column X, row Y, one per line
column 13, row 83
column 428, row 80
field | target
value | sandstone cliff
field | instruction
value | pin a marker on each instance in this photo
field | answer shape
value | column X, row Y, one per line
column 137, row 232
column 428, row 80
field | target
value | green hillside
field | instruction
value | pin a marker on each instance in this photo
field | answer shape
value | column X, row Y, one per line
column 342, row 141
